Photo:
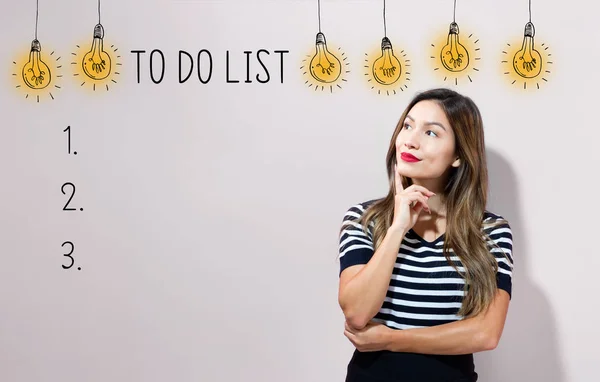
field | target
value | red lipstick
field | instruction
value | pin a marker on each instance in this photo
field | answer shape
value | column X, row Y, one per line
column 409, row 157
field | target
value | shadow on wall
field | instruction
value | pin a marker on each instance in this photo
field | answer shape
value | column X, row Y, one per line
column 529, row 349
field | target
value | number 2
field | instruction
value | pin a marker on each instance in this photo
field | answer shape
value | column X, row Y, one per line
column 70, row 198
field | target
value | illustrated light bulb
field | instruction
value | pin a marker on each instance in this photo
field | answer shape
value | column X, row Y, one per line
column 36, row 73
column 96, row 63
column 454, row 55
column 387, row 68
column 324, row 66
column 528, row 61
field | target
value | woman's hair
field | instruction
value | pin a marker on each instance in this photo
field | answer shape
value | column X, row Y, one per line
column 465, row 197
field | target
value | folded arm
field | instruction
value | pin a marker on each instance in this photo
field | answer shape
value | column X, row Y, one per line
column 471, row 335
column 363, row 287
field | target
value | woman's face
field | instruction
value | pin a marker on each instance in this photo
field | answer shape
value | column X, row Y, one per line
column 425, row 145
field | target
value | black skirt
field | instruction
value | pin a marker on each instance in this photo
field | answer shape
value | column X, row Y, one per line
column 387, row 366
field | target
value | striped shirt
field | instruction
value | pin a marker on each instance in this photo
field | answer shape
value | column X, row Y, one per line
column 424, row 290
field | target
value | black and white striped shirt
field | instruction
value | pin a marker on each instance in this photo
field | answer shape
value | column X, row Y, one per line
column 424, row 290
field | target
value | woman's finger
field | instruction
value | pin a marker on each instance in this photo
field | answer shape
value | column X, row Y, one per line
column 423, row 190
column 349, row 336
column 397, row 180
column 423, row 203
column 416, row 197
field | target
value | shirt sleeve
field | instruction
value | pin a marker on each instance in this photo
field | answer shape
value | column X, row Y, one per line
column 501, row 236
column 356, row 247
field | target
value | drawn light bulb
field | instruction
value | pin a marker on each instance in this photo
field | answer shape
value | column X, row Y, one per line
column 528, row 61
column 387, row 68
column 36, row 73
column 454, row 55
column 96, row 63
column 324, row 66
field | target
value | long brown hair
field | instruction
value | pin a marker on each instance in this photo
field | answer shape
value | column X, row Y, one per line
column 465, row 197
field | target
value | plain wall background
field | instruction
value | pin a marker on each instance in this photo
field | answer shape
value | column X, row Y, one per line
column 208, row 239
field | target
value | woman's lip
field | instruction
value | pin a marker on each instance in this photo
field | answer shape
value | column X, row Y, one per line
column 409, row 157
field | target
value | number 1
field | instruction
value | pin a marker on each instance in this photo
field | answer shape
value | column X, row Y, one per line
column 68, row 130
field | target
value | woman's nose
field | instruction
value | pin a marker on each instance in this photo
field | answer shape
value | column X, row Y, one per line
column 411, row 139
column 411, row 143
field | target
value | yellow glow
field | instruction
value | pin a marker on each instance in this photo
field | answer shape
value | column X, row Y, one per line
column 516, row 78
column 455, row 57
column 35, row 72
column 386, row 70
column 324, row 66
column 96, row 64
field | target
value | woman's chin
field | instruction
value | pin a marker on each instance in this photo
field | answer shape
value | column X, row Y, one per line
column 407, row 170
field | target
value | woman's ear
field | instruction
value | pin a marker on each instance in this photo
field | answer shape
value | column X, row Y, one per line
column 456, row 162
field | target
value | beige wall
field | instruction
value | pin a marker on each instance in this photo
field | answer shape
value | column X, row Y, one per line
column 209, row 232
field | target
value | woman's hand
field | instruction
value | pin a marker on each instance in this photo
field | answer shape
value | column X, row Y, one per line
column 373, row 337
column 409, row 203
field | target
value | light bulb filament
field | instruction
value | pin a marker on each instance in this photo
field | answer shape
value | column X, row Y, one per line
column 529, row 61
column 98, row 64
column 326, row 66
column 388, row 67
column 455, row 56
column 37, row 74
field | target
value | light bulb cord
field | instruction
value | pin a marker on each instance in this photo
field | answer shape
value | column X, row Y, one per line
column 319, row 5
column 384, row 21
column 37, row 16
column 99, row 12
column 529, row 10
column 454, row 16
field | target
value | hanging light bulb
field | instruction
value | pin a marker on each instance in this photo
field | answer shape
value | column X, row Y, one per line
column 36, row 73
column 528, row 61
column 387, row 68
column 97, row 63
column 454, row 55
column 324, row 66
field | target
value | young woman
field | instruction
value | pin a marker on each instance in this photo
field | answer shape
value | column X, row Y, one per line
column 426, row 272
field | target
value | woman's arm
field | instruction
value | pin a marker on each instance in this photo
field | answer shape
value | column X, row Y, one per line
column 471, row 335
column 363, row 288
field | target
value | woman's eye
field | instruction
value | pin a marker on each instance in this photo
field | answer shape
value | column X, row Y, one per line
column 406, row 125
column 430, row 131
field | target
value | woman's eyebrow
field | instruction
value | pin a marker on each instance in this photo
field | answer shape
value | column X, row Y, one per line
column 428, row 123
column 436, row 123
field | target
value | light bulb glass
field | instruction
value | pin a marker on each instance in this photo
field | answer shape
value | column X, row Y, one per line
column 97, row 63
column 387, row 68
column 528, row 61
column 454, row 55
column 324, row 66
column 36, row 73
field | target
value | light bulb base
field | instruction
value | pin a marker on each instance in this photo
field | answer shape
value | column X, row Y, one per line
column 36, row 46
column 386, row 43
column 453, row 28
column 529, row 29
column 99, row 31
column 320, row 38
